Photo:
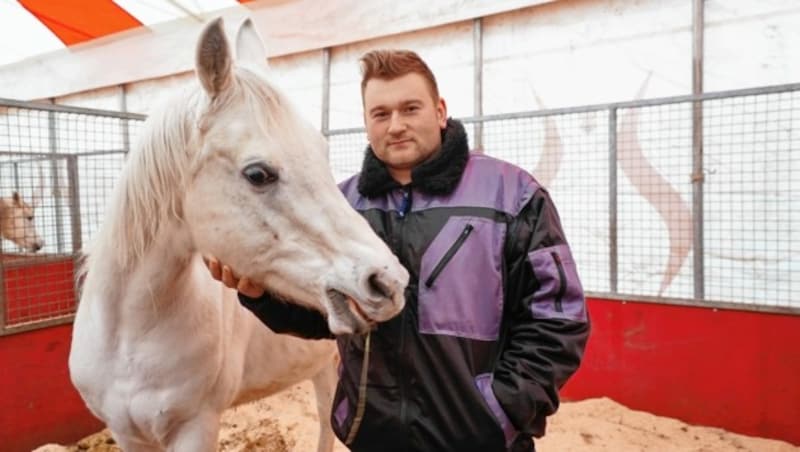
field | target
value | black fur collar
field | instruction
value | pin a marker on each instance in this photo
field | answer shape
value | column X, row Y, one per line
column 437, row 176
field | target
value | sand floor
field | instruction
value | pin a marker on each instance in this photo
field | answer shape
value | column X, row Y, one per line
column 287, row 422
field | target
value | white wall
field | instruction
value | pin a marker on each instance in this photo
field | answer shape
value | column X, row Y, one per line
column 751, row 43
column 580, row 52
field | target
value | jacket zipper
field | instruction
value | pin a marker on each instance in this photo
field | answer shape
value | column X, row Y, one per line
column 449, row 255
column 405, row 208
column 405, row 205
column 562, row 281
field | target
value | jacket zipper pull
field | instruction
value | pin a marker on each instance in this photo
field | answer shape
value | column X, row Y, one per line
column 405, row 204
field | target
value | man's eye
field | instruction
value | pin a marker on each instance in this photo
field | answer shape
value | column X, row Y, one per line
column 259, row 175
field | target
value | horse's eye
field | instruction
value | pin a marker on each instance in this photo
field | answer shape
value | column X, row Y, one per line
column 30, row 218
column 259, row 174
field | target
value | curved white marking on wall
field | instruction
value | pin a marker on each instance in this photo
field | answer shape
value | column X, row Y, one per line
column 667, row 201
column 552, row 150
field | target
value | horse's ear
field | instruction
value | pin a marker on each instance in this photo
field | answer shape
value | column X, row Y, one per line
column 17, row 200
column 214, row 61
column 250, row 47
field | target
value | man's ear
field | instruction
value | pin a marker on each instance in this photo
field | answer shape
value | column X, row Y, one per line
column 441, row 113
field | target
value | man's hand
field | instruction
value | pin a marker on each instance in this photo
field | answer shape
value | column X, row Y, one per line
column 224, row 274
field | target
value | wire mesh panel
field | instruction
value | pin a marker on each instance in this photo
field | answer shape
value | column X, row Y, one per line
column 98, row 172
column 623, row 176
column 346, row 151
column 57, row 165
column 752, row 198
column 624, row 179
column 654, row 162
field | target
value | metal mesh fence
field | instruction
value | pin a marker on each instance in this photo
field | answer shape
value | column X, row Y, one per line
column 752, row 198
column 57, row 166
column 654, row 200
column 636, row 210
column 624, row 177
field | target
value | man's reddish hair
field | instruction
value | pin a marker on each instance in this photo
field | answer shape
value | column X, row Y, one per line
column 390, row 64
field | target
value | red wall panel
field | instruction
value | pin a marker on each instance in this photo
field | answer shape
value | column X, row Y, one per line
column 38, row 404
column 731, row 369
column 738, row 370
column 37, row 289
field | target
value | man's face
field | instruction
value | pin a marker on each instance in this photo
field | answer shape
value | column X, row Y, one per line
column 403, row 122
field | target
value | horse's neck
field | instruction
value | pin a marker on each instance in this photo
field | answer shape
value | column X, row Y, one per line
column 157, row 275
column 147, row 288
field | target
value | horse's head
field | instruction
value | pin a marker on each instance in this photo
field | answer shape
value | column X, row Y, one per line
column 17, row 223
column 262, row 199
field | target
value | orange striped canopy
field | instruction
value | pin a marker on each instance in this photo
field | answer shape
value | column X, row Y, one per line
column 68, row 22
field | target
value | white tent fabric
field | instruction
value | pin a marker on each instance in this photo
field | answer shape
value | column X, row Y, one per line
column 165, row 29
column 24, row 35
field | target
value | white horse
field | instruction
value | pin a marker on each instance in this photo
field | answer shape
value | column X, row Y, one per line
column 17, row 223
column 160, row 348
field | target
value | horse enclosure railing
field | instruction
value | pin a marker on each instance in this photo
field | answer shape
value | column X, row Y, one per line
column 60, row 162
column 689, row 200
column 686, row 200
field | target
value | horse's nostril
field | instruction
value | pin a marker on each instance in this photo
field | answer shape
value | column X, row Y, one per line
column 37, row 247
column 378, row 287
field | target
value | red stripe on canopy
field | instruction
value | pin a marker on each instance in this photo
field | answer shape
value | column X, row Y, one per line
column 76, row 21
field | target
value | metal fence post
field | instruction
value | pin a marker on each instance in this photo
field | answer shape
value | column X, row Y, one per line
column 16, row 176
column 53, row 138
column 124, row 123
column 326, row 91
column 698, row 178
column 477, row 44
column 74, row 203
column 612, row 201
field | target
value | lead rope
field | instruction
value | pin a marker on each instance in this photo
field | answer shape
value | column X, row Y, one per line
column 362, row 396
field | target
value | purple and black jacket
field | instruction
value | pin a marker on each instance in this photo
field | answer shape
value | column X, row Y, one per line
column 495, row 320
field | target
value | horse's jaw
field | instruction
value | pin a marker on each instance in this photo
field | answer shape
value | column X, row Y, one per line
column 346, row 316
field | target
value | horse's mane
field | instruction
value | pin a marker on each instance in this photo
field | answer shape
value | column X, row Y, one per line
column 151, row 186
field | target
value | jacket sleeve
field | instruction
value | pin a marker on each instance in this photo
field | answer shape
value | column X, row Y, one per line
column 547, row 321
column 288, row 318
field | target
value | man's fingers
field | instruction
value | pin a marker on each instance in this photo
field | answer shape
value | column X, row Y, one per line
column 213, row 267
column 248, row 288
column 227, row 277
column 244, row 285
column 224, row 274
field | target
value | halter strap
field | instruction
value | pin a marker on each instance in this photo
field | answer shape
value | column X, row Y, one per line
column 362, row 396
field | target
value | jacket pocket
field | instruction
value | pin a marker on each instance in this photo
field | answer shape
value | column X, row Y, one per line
column 449, row 255
column 461, row 290
column 559, row 294
column 484, row 384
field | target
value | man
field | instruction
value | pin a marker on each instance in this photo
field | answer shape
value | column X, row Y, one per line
column 494, row 322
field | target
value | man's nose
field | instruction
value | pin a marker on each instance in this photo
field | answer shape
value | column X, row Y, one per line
column 396, row 123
